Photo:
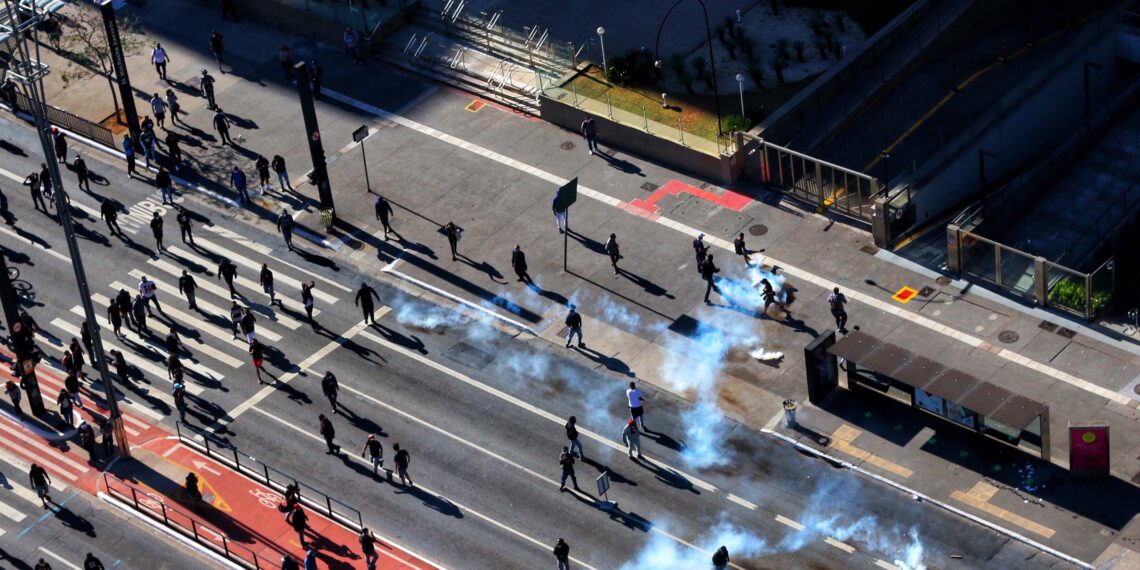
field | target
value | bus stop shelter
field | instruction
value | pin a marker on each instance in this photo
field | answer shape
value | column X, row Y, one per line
column 980, row 405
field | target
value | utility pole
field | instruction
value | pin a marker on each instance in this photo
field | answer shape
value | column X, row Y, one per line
column 29, row 72
column 119, row 64
column 313, row 135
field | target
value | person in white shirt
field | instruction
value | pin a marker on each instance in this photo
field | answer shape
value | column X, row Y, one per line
column 147, row 288
column 636, row 405
column 160, row 59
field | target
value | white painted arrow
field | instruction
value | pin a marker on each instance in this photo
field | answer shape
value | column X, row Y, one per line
column 204, row 466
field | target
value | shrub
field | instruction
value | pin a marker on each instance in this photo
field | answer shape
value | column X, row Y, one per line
column 733, row 123
column 700, row 66
column 839, row 21
column 821, row 46
column 784, row 48
column 818, row 23
column 746, row 44
column 799, row 46
column 756, row 72
column 719, row 30
column 731, row 45
column 778, row 63
column 633, row 68
column 681, row 71
column 1070, row 293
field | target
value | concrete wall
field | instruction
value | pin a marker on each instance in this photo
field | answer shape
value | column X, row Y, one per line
column 1022, row 126
column 293, row 19
column 840, row 91
column 635, row 140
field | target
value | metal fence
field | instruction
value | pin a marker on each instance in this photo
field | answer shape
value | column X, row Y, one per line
column 826, row 185
column 156, row 508
column 73, row 123
column 533, row 42
column 1048, row 283
column 273, row 478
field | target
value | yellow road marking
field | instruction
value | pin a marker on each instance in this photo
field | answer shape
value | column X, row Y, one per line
column 979, row 496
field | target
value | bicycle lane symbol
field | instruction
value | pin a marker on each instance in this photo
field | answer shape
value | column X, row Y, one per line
column 268, row 499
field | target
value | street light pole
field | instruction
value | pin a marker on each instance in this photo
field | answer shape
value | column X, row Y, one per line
column 740, row 82
column 712, row 59
column 30, row 74
column 602, row 39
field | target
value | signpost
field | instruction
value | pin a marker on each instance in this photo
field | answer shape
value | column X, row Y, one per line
column 603, row 482
column 1088, row 449
column 563, row 198
column 358, row 137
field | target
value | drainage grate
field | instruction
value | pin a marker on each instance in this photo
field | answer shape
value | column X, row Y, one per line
column 943, row 281
column 1008, row 337
column 926, row 292
column 649, row 186
column 758, row 229
column 464, row 353
column 567, row 145
column 1046, row 325
column 869, row 249
column 1067, row 333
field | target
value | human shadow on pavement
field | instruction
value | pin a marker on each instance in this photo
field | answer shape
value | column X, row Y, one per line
column 589, row 243
column 623, row 165
column 432, row 501
column 615, row 476
column 74, row 521
column 411, row 342
column 492, row 272
column 364, row 352
column 443, row 274
column 619, row 295
column 610, row 362
column 13, row 562
column 630, row 519
column 665, row 440
column 668, row 476
column 649, row 286
column 12, row 148
column 361, row 423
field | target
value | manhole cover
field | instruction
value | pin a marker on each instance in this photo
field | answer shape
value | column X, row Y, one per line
column 1046, row 325
column 464, row 353
column 1008, row 337
column 567, row 145
column 869, row 249
column 1067, row 333
column 926, row 292
column 649, row 186
column 943, row 281
column 758, row 229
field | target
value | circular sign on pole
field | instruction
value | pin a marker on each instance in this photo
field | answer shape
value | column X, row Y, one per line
column 898, row 214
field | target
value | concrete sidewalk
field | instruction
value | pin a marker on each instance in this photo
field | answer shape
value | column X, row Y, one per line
column 494, row 173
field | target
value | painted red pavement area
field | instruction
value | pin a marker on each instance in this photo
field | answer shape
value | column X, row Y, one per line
column 246, row 511
column 729, row 199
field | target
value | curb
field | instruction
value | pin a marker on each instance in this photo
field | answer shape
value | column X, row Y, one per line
column 925, row 498
column 225, row 562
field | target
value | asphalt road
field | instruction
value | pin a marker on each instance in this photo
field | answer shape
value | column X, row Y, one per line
column 480, row 410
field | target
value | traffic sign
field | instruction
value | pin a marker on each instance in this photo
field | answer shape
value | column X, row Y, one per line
column 566, row 195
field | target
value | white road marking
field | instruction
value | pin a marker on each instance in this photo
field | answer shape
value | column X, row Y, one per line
column 38, row 458
column 135, row 405
column 248, row 283
column 725, row 245
column 52, row 252
column 742, row 502
column 12, row 513
column 64, row 459
column 789, row 522
column 144, row 364
column 268, row 251
column 209, row 329
column 885, row 565
column 304, row 365
column 60, row 559
column 355, row 457
column 22, row 467
column 278, row 277
column 263, row 332
column 840, row 545
column 524, row 405
column 210, row 286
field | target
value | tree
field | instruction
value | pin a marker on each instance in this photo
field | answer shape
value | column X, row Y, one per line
column 681, row 70
column 90, row 52
column 799, row 46
column 778, row 63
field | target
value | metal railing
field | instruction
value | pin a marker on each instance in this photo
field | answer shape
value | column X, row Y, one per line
column 823, row 184
column 70, row 122
column 1048, row 283
column 273, row 478
column 156, row 508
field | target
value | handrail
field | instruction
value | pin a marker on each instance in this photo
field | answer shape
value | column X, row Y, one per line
column 155, row 507
column 271, row 477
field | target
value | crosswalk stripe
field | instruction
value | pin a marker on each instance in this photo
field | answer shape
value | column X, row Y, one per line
column 208, row 307
column 144, row 364
column 210, row 330
column 20, row 239
column 265, row 250
column 129, row 224
column 11, row 512
column 278, row 317
column 139, row 424
column 279, row 278
column 294, row 304
column 46, row 462
column 4, row 426
column 127, row 400
column 22, row 467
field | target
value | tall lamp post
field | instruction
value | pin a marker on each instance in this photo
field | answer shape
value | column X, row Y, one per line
column 740, row 82
column 602, row 40
column 28, row 71
column 712, row 60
